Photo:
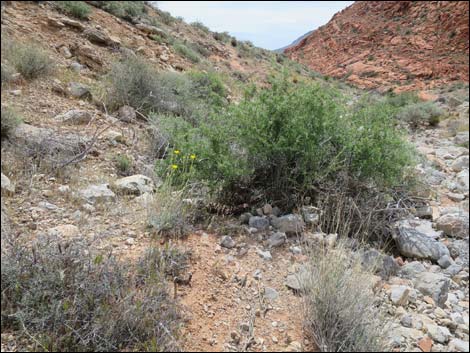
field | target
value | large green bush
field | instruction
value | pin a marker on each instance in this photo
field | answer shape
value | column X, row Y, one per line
column 289, row 139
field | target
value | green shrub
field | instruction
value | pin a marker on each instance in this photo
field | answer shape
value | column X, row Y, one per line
column 7, row 73
column 402, row 99
column 29, row 59
column 69, row 297
column 166, row 17
column 222, row 36
column 187, row 52
column 10, row 120
column 200, row 26
column 422, row 113
column 339, row 310
column 125, row 9
column 134, row 82
column 292, row 137
column 78, row 9
column 123, row 164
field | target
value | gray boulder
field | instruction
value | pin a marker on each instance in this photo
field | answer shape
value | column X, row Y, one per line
column 78, row 90
column 411, row 270
column 134, row 185
column 260, row 223
column 97, row 194
column 74, row 117
column 435, row 285
column 289, row 224
column 277, row 239
column 414, row 243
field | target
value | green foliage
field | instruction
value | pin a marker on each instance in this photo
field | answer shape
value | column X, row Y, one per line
column 291, row 137
column 187, row 52
column 123, row 164
column 29, row 59
column 124, row 9
column 200, row 26
column 222, row 36
column 78, row 9
column 134, row 82
column 166, row 17
column 402, row 99
column 423, row 113
column 10, row 120
column 69, row 297
column 7, row 73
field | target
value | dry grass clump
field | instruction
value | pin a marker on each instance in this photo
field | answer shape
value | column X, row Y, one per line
column 340, row 310
column 65, row 296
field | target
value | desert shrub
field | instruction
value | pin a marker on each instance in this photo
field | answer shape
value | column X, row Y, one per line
column 340, row 310
column 133, row 82
column 10, row 120
column 402, row 99
column 78, row 9
column 187, row 52
column 123, row 164
column 200, row 26
column 200, row 49
column 290, row 138
column 222, row 36
column 124, row 9
column 174, row 207
column 29, row 59
column 166, row 17
column 7, row 73
column 69, row 297
column 419, row 114
column 234, row 42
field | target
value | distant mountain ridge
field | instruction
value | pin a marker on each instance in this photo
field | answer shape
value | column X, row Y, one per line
column 399, row 45
column 295, row 42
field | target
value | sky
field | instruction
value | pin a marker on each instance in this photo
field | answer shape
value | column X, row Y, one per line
column 268, row 24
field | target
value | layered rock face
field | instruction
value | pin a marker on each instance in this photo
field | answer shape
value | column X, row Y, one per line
column 399, row 45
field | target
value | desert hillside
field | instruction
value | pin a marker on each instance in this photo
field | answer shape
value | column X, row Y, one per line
column 170, row 188
column 390, row 44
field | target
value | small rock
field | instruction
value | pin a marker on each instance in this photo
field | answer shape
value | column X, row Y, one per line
column 265, row 255
column 64, row 231
column 276, row 239
column 130, row 241
column 399, row 295
column 78, row 90
column 438, row 333
column 227, row 242
column 75, row 117
column 98, row 193
column 260, row 223
column 289, row 224
column 457, row 345
column 445, row 261
column 134, row 185
column 270, row 293
column 407, row 321
column 8, row 187
column 425, row 344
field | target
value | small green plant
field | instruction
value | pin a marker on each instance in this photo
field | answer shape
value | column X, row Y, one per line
column 124, row 9
column 222, row 36
column 166, row 17
column 422, row 113
column 78, row 9
column 187, row 52
column 200, row 26
column 123, row 164
column 7, row 73
column 338, row 304
column 29, row 59
column 10, row 120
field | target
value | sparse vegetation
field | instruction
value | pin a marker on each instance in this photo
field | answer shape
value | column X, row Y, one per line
column 340, row 310
column 200, row 26
column 7, row 73
column 123, row 164
column 10, row 119
column 187, row 52
column 124, row 9
column 134, row 82
column 78, row 9
column 419, row 114
column 29, row 59
column 67, row 297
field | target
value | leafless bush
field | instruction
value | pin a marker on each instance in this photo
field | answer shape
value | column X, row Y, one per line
column 340, row 310
column 67, row 297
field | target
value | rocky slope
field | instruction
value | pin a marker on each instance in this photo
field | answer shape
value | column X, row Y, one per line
column 243, row 270
column 389, row 44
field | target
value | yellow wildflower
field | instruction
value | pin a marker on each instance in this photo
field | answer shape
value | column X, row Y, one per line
column 193, row 156
column 174, row 166
column 176, row 151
